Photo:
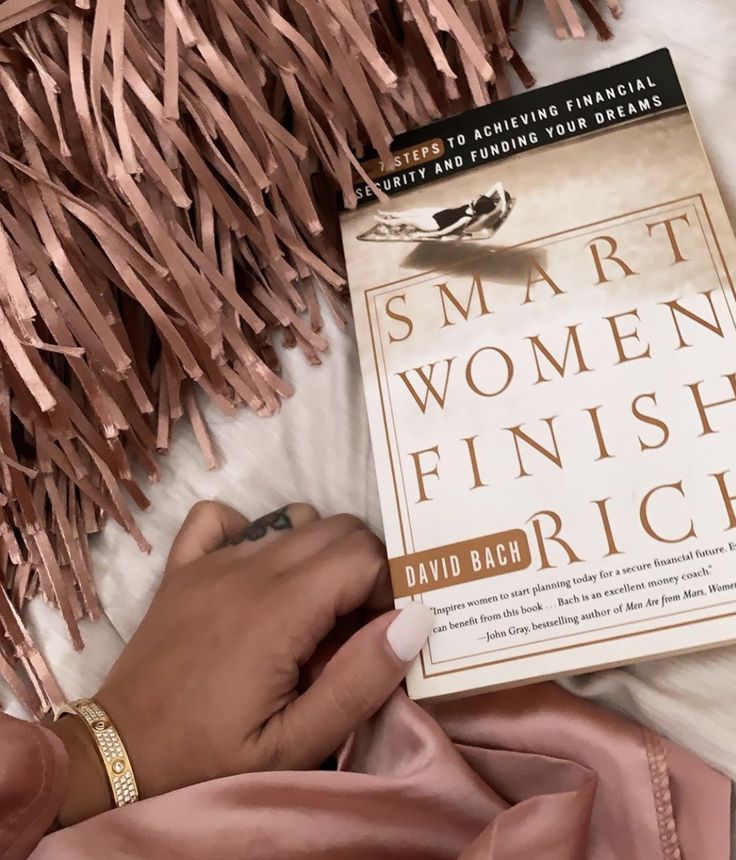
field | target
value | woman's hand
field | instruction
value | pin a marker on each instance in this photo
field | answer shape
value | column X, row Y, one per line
column 241, row 663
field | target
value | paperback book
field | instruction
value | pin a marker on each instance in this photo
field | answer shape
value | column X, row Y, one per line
column 546, row 318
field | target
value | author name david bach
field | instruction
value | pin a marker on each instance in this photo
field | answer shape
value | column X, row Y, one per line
column 476, row 558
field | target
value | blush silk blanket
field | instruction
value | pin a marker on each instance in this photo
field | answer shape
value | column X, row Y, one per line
column 530, row 774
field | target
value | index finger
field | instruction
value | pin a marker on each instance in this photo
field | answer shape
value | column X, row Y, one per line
column 207, row 525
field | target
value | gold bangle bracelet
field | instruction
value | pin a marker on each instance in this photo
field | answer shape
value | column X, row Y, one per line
column 109, row 745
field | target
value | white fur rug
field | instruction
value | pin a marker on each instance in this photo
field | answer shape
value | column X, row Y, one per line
column 318, row 448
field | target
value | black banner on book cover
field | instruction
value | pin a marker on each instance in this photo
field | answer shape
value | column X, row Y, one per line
column 583, row 105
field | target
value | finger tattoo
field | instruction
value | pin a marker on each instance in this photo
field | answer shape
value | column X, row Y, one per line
column 277, row 521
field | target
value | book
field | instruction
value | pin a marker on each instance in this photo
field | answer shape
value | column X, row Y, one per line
column 546, row 319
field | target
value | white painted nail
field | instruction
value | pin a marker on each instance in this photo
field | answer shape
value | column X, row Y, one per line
column 408, row 632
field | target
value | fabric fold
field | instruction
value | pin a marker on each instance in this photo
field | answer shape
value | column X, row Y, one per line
column 531, row 773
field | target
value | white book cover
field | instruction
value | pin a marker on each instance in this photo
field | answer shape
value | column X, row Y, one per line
column 546, row 319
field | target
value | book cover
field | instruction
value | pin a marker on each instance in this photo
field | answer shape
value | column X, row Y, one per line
column 546, row 320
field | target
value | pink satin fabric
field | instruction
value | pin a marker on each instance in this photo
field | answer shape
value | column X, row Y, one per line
column 529, row 774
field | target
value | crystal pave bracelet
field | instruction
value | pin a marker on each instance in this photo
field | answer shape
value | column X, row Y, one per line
column 110, row 747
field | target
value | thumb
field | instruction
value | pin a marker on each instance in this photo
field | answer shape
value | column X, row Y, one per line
column 353, row 686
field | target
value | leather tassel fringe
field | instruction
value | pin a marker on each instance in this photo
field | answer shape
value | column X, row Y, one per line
column 168, row 182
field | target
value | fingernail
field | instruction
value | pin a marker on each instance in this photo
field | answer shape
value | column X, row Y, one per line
column 408, row 632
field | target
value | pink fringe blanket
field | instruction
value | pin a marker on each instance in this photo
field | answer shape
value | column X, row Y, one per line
column 168, row 180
